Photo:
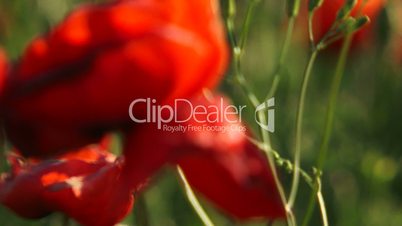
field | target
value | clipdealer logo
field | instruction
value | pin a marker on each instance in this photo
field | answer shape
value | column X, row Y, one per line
column 167, row 117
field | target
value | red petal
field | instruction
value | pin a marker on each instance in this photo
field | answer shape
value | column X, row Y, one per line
column 223, row 166
column 241, row 184
column 3, row 70
column 227, row 169
column 85, row 185
column 112, row 54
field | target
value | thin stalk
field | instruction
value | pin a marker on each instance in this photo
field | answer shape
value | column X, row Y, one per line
column 241, row 80
column 239, row 77
column 238, row 49
column 299, row 123
column 320, row 199
column 230, row 22
column 193, row 200
column 323, row 209
column 267, row 150
column 310, row 28
column 285, row 164
column 282, row 57
column 334, row 91
column 246, row 25
column 310, row 208
column 264, row 134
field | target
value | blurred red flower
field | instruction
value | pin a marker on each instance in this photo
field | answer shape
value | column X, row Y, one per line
column 100, row 59
column 84, row 184
column 218, row 159
column 76, row 83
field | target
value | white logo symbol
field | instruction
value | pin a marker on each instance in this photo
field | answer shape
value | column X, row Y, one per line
column 270, row 126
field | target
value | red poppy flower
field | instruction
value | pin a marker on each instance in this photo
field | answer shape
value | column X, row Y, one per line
column 77, row 83
column 85, row 185
column 101, row 58
column 215, row 154
column 326, row 14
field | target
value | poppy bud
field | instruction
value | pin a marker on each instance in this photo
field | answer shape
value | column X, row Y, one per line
column 333, row 10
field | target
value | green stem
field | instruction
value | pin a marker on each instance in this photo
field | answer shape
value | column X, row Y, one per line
column 241, row 80
column 230, row 22
column 268, row 151
column 299, row 123
column 282, row 57
column 310, row 28
column 334, row 91
column 285, row 164
column 246, row 25
column 237, row 50
column 193, row 200
column 323, row 209
column 310, row 208
column 237, row 53
column 264, row 134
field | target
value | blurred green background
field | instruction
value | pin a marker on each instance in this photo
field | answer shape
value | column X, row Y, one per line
column 362, row 182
